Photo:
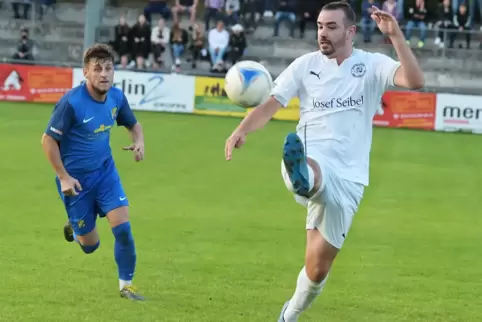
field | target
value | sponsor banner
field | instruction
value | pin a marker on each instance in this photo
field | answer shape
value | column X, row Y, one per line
column 152, row 91
column 459, row 113
column 211, row 99
column 414, row 110
column 32, row 83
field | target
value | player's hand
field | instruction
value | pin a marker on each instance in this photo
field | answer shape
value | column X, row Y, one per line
column 387, row 24
column 137, row 148
column 236, row 140
column 70, row 186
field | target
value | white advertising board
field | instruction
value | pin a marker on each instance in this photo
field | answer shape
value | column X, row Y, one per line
column 458, row 113
column 152, row 91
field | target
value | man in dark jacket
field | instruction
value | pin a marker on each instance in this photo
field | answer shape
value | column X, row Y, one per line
column 463, row 24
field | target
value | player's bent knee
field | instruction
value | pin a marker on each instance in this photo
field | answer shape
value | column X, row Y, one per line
column 318, row 272
column 123, row 234
column 89, row 249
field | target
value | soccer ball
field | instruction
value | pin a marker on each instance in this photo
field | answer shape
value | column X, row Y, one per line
column 248, row 83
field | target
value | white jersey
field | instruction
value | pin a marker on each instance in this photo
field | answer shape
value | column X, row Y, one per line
column 337, row 106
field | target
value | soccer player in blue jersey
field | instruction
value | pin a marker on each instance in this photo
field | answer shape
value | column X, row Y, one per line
column 76, row 143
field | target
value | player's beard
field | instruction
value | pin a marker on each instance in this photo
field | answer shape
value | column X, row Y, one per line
column 101, row 91
column 329, row 48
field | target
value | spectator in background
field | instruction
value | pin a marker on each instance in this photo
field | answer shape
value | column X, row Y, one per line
column 25, row 46
column 237, row 43
column 251, row 12
column 160, row 37
column 157, row 6
column 25, row 5
column 309, row 13
column 213, row 11
column 444, row 21
column 462, row 22
column 286, row 12
column 183, row 7
column 391, row 7
column 197, row 43
column 141, row 37
column 232, row 12
column 367, row 23
column 218, row 40
column 179, row 40
column 416, row 19
column 121, row 41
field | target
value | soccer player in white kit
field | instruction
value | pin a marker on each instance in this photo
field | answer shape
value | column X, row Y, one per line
column 325, row 163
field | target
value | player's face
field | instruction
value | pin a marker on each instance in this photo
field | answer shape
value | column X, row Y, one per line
column 100, row 75
column 333, row 32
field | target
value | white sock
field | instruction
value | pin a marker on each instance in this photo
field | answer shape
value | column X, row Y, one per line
column 122, row 284
column 305, row 294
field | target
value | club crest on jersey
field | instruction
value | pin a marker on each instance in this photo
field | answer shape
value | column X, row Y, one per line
column 114, row 113
column 358, row 70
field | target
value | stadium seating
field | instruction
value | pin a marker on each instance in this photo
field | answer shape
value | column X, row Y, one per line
column 59, row 38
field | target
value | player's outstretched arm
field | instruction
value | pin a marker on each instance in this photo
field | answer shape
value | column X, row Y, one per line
column 127, row 119
column 255, row 120
column 410, row 74
column 137, row 146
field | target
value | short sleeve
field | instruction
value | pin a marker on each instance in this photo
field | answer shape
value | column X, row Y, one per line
column 287, row 84
column 61, row 121
column 385, row 69
column 126, row 117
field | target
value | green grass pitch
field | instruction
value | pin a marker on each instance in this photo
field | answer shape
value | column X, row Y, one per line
column 219, row 241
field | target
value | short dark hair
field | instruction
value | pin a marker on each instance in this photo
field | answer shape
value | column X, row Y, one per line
column 350, row 16
column 98, row 52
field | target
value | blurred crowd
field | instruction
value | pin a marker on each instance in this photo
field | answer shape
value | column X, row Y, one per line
column 216, row 30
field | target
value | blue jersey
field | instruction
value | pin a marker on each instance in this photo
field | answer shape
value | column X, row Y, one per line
column 82, row 127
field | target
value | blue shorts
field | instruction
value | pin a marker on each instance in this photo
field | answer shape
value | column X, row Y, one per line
column 101, row 193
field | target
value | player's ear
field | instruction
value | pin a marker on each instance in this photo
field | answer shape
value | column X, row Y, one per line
column 85, row 71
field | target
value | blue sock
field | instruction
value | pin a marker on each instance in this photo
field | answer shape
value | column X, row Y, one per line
column 75, row 237
column 124, row 251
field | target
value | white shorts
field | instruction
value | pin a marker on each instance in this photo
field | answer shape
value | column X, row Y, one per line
column 332, row 209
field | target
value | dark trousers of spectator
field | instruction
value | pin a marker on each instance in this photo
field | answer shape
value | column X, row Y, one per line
column 455, row 33
column 284, row 16
column 25, row 57
column 212, row 14
column 305, row 18
column 236, row 54
column 159, row 8
column 158, row 50
column 443, row 32
column 232, row 19
column 140, row 49
column 16, row 10
column 196, row 54
column 368, row 27
column 249, row 10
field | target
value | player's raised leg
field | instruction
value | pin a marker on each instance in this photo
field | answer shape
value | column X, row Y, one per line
column 302, row 175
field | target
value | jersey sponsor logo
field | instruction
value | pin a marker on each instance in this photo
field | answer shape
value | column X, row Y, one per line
column 358, row 70
column 102, row 128
column 338, row 102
